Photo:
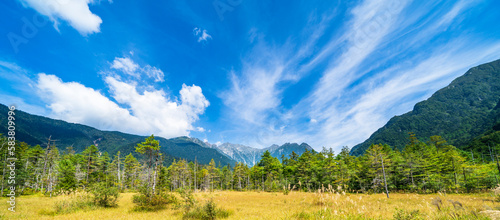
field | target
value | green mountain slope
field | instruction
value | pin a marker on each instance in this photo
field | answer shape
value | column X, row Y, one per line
column 34, row 130
column 460, row 112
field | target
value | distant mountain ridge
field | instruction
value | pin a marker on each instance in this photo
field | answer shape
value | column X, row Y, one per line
column 34, row 130
column 460, row 112
column 251, row 156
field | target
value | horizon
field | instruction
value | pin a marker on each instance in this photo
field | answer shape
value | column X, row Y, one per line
column 327, row 74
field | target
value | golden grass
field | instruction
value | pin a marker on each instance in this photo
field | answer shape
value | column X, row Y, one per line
column 262, row 205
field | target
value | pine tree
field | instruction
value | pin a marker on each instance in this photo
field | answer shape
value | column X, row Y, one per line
column 67, row 180
column 131, row 167
column 90, row 163
column 150, row 147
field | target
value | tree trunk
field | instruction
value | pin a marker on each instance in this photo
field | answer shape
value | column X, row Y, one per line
column 465, row 181
column 411, row 175
column 195, row 167
column 119, row 175
column 385, row 181
column 154, row 179
column 454, row 171
column 88, row 167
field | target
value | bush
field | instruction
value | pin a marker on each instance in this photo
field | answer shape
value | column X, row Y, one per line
column 77, row 201
column 209, row 211
column 155, row 202
column 29, row 191
column 286, row 189
column 105, row 196
column 187, row 196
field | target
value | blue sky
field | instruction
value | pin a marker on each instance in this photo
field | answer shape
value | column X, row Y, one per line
column 328, row 73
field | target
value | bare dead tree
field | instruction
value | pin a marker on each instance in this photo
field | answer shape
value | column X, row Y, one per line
column 49, row 143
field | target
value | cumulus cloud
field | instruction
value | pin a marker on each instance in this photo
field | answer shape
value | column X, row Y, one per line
column 154, row 73
column 150, row 112
column 126, row 65
column 201, row 34
column 129, row 67
column 75, row 12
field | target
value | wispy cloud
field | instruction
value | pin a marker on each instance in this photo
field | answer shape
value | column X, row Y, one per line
column 253, row 100
column 201, row 34
column 404, row 87
column 454, row 12
column 129, row 67
column 380, row 66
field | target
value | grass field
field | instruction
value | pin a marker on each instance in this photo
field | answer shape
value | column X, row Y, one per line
column 296, row 205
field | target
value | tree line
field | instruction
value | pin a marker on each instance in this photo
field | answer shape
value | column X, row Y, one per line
column 423, row 167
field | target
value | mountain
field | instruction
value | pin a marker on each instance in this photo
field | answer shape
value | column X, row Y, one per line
column 490, row 138
column 34, row 130
column 240, row 153
column 461, row 112
column 287, row 149
column 251, row 156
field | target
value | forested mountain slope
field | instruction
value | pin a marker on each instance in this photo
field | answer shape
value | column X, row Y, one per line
column 460, row 112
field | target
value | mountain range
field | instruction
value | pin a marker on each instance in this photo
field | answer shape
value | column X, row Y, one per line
column 251, row 156
column 465, row 113
column 35, row 130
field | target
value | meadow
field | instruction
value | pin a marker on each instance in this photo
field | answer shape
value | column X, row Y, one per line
column 295, row 205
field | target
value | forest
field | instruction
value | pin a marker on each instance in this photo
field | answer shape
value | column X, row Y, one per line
column 420, row 168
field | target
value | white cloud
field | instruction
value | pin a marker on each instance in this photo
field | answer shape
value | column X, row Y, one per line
column 454, row 12
column 151, row 112
column 253, row 100
column 254, row 93
column 126, row 65
column 129, row 67
column 154, row 73
column 75, row 12
column 201, row 34
column 379, row 65
column 193, row 99
column 406, row 86
column 372, row 21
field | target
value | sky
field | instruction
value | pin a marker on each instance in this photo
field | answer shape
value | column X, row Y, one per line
column 328, row 73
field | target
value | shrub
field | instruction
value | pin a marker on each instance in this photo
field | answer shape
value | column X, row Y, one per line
column 77, row 201
column 29, row 191
column 155, row 202
column 286, row 189
column 209, row 211
column 105, row 196
column 187, row 196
